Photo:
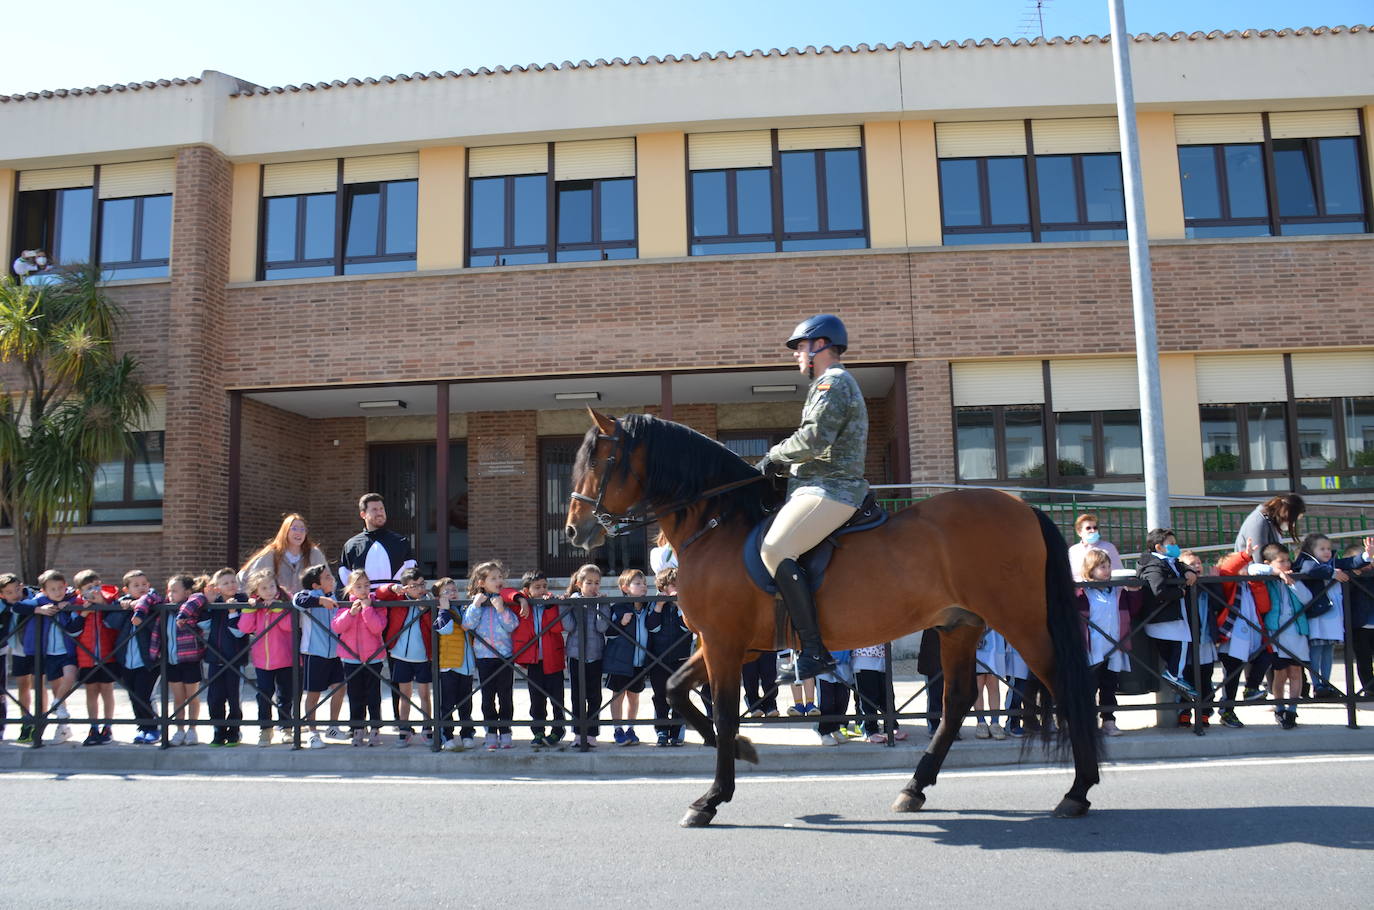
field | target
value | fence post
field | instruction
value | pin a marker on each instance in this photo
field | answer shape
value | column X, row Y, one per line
column 40, row 647
column 1347, row 656
column 582, row 700
column 163, row 685
column 1193, row 599
column 296, row 694
column 436, row 735
column 889, row 697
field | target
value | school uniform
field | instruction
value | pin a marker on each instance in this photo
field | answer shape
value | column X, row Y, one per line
column 1326, row 630
column 538, row 647
column 55, row 636
column 627, row 647
column 225, row 656
column 670, row 644
column 873, row 683
column 586, row 642
column 1162, row 603
column 491, row 643
column 138, row 671
column 456, row 670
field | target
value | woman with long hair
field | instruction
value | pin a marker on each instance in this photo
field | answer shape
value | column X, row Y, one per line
column 1274, row 521
column 287, row 555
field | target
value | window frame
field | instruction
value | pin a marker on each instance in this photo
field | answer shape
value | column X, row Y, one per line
column 265, row 269
column 777, row 236
column 342, row 212
column 1240, row 414
column 1343, row 467
column 1224, row 191
column 985, row 201
column 136, row 231
column 596, row 243
column 127, row 501
column 508, row 204
column 1081, row 200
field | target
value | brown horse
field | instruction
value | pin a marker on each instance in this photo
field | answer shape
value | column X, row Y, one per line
column 954, row 562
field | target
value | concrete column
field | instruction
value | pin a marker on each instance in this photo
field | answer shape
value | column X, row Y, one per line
column 1159, row 175
column 883, row 171
column 243, row 229
column 8, row 179
column 921, row 183
column 195, row 499
column 1182, row 423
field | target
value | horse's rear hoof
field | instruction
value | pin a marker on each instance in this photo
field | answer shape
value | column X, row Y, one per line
column 697, row 818
column 1071, row 808
column 744, row 751
column 908, row 802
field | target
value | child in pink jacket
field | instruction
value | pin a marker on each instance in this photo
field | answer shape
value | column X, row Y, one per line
column 359, row 627
column 266, row 622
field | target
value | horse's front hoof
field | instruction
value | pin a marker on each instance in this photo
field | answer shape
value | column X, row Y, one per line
column 745, row 751
column 1071, row 808
column 697, row 818
column 908, row 802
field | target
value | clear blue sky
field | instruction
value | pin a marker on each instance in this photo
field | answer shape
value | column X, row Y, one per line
column 90, row 42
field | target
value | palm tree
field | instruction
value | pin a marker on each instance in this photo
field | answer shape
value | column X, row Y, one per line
column 67, row 403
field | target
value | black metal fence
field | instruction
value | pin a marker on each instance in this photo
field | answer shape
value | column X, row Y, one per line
column 588, row 617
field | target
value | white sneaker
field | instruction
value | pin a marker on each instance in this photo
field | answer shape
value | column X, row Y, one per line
column 336, row 732
column 982, row 732
column 996, row 731
column 191, row 738
column 469, row 742
column 359, row 738
column 62, row 713
column 492, row 742
column 375, row 739
column 453, row 745
column 506, row 741
column 828, row 739
column 840, row 738
column 265, row 737
column 179, row 738
column 61, row 734
column 314, row 742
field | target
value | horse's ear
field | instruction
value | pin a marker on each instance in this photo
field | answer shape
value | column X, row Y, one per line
column 603, row 423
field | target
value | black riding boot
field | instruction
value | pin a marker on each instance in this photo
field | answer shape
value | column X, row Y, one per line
column 813, row 658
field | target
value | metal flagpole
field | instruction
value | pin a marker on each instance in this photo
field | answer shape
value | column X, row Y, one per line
column 1142, row 287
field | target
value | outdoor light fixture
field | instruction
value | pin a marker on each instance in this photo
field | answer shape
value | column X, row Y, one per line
column 387, row 403
column 577, row 396
column 774, row 389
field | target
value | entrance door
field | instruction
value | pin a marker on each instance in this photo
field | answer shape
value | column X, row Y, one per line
column 404, row 474
column 558, row 557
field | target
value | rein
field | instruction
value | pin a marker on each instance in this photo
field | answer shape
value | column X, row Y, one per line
column 615, row 525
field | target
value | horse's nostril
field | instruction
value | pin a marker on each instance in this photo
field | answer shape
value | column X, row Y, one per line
column 571, row 532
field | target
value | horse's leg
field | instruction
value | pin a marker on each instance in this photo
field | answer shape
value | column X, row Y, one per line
column 957, row 649
column 692, row 673
column 1075, row 803
column 724, row 671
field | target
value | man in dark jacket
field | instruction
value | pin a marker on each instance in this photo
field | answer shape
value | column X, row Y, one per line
column 381, row 553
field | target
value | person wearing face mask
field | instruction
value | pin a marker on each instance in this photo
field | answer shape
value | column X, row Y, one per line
column 1162, row 605
column 1089, row 538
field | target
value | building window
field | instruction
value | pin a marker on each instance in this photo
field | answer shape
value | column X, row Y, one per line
column 1096, row 446
column 136, row 236
column 809, row 199
column 1001, row 443
column 732, row 211
column 595, row 219
column 984, row 200
column 988, row 200
column 822, row 200
column 129, row 490
column 58, row 221
column 299, row 235
column 1006, row 444
column 1080, row 197
column 1224, row 190
column 379, row 226
column 508, row 220
column 1244, row 447
column 1335, row 443
column 1319, row 186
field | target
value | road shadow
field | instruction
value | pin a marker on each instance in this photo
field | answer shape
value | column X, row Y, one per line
column 1162, row 832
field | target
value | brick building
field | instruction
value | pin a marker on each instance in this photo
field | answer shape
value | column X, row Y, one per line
column 353, row 285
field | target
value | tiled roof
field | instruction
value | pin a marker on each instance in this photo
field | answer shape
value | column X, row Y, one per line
column 249, row 89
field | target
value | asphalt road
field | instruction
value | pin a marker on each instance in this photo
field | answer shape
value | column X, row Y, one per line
column 1280, row 832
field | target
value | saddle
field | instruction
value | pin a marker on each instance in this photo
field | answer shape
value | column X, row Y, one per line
column 868, row 516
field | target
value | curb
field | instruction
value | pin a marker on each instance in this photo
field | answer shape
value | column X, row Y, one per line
column 650, row 761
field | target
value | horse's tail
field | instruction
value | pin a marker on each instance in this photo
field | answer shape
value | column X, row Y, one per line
column 1073, row 686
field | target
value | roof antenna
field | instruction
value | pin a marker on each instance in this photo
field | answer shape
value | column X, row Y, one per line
column 1033, row 17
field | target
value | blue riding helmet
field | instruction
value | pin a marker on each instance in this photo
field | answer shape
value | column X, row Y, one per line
column 821, row 326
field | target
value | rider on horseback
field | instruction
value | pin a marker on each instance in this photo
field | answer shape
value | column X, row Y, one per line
column 825, row 461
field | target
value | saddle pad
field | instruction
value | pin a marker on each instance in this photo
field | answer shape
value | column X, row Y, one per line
column 814, row 561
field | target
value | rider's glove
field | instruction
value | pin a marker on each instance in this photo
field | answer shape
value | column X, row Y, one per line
column 770, row 468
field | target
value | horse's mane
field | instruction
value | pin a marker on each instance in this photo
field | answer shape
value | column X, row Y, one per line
column 679, row 463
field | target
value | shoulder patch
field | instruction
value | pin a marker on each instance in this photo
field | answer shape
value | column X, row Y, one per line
column 824, row 386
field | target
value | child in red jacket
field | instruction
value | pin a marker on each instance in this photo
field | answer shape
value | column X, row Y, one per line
column 409, row 638
column 95, row 653
column 538, row 646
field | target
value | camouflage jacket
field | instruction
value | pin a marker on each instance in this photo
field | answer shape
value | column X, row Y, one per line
column 827, row 451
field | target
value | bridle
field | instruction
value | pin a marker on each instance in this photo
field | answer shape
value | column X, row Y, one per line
column 614, row 525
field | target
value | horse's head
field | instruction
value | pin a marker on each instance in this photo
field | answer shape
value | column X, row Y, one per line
column 605, row 485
